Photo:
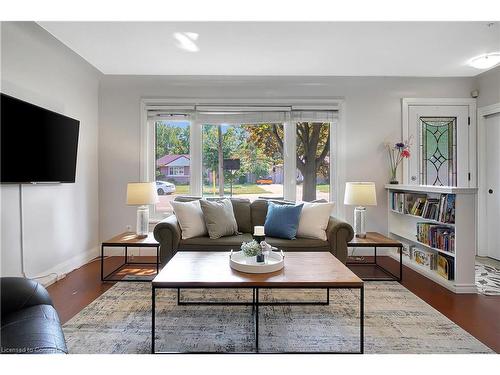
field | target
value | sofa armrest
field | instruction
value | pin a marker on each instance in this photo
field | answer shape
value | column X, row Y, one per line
column 18, row 293
column 339, row 233
column 168, row 233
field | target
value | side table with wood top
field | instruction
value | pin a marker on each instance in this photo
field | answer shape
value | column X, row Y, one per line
column 375, row 240
column 126, row 240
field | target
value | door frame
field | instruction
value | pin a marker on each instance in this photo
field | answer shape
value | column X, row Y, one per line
column 481, row 194
column 470, row 102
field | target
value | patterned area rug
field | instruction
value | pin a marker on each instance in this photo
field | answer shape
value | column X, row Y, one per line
column 396, row 321
column 487, row 279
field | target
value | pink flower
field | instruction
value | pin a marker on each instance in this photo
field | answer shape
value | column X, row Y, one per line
column 405, row 153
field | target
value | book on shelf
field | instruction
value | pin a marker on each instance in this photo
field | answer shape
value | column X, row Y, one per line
column 446, row 266
column 425, row 258
column 437, row 236
column 440, row 209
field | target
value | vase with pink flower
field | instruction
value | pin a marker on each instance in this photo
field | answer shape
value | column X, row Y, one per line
column 397, row 152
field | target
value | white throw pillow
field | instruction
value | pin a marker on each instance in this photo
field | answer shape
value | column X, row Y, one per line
column 190, row 218
column 314, row 220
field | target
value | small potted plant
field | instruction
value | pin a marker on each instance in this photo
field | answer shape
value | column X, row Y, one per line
column 397, row 152
column 253, row 249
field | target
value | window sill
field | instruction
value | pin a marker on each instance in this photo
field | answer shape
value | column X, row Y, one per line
column 156, row 220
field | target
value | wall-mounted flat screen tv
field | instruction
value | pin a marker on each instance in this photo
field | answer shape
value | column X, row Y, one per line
column 37, row 145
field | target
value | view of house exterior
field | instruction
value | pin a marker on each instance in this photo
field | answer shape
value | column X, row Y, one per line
column 174, row 168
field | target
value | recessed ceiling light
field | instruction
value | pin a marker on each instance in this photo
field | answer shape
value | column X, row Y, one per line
column 486, row 61
column 186, row 41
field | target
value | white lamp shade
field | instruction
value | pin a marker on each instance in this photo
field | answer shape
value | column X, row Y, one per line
column 360, row 194
column 141, row 193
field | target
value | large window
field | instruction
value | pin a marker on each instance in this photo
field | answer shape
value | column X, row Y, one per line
column 172, row 161
column 269, row 152
column 243, row 161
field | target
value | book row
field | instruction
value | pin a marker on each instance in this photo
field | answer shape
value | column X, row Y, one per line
column 440, row 208
column 444, row 265
column 437, row 236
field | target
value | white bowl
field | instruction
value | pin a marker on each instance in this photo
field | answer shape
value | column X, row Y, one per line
column 273, row 262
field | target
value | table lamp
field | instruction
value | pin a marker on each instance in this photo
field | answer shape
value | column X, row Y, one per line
column 142, row 194
column 360, row 194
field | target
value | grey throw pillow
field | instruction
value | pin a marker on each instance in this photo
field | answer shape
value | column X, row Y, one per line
column 219, row 218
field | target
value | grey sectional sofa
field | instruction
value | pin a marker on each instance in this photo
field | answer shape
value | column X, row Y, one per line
column 248, row 214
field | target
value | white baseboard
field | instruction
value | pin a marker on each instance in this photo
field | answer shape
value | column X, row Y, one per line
column 60, row 270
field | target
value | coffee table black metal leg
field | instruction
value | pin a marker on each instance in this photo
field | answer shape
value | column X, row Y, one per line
column 153, row 303
column 157, row 259
column 102, row 263
column 401, row 263
column 362, row 320
column 257, row 320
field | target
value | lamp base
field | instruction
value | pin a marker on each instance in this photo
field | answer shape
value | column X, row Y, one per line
column 359, row 221
column 142, row 230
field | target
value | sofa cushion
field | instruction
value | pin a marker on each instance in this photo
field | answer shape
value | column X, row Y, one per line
column 241, row 209
column 243, row 214
column 219, row 218
column 314, row 220
column 190, row 218
column 298, row 244
column 259, row 210
column 282, row 221
column 222, row 244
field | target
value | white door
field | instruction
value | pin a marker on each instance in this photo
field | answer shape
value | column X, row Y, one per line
column 492, row 133
column 440, row 145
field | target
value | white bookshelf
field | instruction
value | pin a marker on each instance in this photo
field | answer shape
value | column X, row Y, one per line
column 403, row 226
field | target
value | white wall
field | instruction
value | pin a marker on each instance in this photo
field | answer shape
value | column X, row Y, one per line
column 488, row 84
column 373, row 115
column 61, row 221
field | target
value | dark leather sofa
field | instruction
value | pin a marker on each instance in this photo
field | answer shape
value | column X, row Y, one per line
column 29, row 321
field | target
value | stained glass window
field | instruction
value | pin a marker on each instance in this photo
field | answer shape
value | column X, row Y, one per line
column 438, row 145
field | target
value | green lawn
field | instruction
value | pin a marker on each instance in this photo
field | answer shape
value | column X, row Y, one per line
column 237, row 189
column 324, row 188
column 182, row 189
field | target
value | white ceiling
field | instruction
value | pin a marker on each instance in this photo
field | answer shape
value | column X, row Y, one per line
column 282, row 48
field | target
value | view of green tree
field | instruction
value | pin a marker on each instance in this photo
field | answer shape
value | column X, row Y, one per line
column 235, row 145
column 313, row 140
column 259, row 148
column 171, row 139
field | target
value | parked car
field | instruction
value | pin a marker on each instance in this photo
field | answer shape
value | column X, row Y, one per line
column 164, row 187
column 265, row 180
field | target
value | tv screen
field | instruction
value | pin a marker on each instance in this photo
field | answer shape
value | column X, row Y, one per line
column 37, row 145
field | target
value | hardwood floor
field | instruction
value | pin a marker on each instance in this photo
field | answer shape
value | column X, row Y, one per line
column 475, row 313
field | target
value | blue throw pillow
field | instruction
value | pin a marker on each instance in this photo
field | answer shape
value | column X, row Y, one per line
column 282, row 220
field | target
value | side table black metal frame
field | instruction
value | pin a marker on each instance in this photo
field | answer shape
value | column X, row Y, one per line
column 127, row 263
column 391, row 276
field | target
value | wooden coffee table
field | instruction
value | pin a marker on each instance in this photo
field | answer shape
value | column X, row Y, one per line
column 303, row 270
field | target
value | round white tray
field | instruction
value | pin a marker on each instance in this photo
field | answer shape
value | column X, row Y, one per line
column 274, row 261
